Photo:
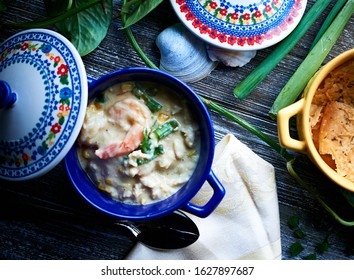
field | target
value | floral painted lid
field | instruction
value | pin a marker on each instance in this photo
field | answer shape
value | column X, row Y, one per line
column 240, row 24
column 43, row 75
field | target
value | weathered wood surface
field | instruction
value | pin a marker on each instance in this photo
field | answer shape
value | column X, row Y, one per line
column 27, row 236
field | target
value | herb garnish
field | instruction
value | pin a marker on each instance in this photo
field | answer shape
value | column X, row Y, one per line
column 166, row 129
column 297, row 248
column 143, row 94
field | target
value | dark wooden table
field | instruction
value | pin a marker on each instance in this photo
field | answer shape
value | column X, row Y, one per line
column 26, row 234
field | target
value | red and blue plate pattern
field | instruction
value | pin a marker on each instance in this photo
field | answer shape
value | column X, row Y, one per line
column 240, row 24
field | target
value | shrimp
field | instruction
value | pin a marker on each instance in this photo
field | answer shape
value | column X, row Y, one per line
column 133, row 116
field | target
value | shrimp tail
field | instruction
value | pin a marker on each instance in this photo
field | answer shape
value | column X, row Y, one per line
column 131, row 142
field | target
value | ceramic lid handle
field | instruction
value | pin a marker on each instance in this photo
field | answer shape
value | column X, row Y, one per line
column 7, row 97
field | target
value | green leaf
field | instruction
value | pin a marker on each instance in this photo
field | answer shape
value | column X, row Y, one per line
column 293, row 222
column 87, row 29
column 64, row 80
column 322, row 247
column 296, row 249
column 310, row 257
column 140, row 9
column 299, row 233
column 61, row 120
column 128, row 5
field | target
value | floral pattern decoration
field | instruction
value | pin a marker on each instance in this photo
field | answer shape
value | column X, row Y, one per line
column 63, row 107
column 242, row 18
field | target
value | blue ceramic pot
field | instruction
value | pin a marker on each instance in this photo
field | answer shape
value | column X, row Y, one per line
column 181, row 199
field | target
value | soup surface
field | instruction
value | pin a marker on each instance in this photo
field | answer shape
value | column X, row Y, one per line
column 332, row 119
column 139, row 142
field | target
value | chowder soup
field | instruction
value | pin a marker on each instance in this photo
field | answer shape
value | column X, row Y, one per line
column 139, row 142
column 332, row 120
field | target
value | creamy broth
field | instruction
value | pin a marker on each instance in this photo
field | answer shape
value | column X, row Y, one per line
column 139, row 142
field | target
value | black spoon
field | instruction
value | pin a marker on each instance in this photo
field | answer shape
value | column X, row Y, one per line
column 173, row 231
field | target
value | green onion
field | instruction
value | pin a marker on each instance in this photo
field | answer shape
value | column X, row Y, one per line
column 245, row 87
column 166, row 129
column 151, row 103
column 313, row 61
column 157, row 151
column 330, row 17
column 249, row 127
column 145, row 145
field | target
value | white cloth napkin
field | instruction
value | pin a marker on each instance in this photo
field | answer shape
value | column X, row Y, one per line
column 246, row 223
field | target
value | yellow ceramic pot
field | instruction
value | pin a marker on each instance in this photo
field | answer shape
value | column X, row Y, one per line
column 301, row 109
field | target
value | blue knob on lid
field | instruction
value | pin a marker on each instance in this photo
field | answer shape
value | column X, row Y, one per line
column 7, row 97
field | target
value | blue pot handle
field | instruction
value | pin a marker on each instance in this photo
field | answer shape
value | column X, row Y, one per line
column 209, row 207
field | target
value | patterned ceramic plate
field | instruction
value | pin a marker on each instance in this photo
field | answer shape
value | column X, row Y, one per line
column 47, row 74
column 240, row 24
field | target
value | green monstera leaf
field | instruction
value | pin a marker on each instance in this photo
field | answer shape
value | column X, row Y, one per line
column 86, row 29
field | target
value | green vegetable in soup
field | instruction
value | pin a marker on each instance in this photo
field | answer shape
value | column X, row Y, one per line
column 166, row 129
column 161, row 132
column 145, row 145
column 151, row 103
column 157, row 151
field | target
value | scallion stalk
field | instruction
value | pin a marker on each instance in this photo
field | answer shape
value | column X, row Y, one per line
column 247, row 85
column 255, row 131
column 166, row 129
column 157, row 151
column 151, row 103
column 313, row 61
column 330, row 17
